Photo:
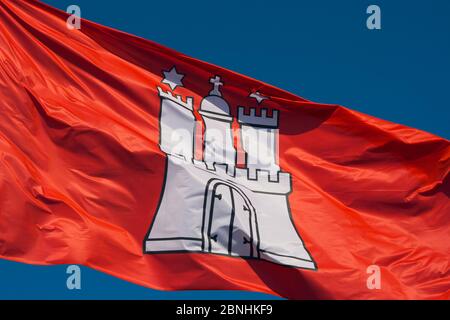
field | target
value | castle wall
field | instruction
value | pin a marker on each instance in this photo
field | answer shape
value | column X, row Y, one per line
column 279, row 240
column 179, row 222
column 180, row 211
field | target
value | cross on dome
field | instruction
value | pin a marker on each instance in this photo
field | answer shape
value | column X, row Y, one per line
column 217, row 84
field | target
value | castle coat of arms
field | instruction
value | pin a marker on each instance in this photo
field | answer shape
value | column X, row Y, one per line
column 212, row 205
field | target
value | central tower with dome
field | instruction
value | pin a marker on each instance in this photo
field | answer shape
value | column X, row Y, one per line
column 218, row 138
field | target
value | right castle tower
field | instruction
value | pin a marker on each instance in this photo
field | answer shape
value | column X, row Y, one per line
column 259, row 140
column 212, row 206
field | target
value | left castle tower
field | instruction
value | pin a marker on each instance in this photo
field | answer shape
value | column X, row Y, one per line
column 177, row 125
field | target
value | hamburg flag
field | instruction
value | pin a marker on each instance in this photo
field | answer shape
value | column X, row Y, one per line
column 122, row 155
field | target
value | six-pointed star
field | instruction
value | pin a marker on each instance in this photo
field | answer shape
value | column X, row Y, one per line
column 172, row 78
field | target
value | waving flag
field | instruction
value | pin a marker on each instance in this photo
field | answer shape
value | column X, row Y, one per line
column 138, row 161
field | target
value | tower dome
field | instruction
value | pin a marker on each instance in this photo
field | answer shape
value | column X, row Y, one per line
column 214, row 103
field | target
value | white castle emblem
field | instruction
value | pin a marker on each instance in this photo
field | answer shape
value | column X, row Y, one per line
column 213, row 206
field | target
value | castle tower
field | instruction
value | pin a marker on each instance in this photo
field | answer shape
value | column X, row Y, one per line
column 218, row 138
column 259, row 139
column 177, row 125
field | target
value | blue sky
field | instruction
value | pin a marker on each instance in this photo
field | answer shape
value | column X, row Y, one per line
column 320, row 50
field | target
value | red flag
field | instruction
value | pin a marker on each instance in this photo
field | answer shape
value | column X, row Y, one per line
column 138, row 161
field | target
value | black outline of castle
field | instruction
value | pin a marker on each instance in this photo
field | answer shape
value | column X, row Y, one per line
column 214, row 207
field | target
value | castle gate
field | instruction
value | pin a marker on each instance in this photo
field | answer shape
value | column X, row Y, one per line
column 231, row 225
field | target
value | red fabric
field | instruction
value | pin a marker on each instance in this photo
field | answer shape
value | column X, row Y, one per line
column 81, row 171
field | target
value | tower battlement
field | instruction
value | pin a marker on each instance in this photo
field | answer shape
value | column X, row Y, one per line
column 188, row 104
column 257, row 180
column 262, row 120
